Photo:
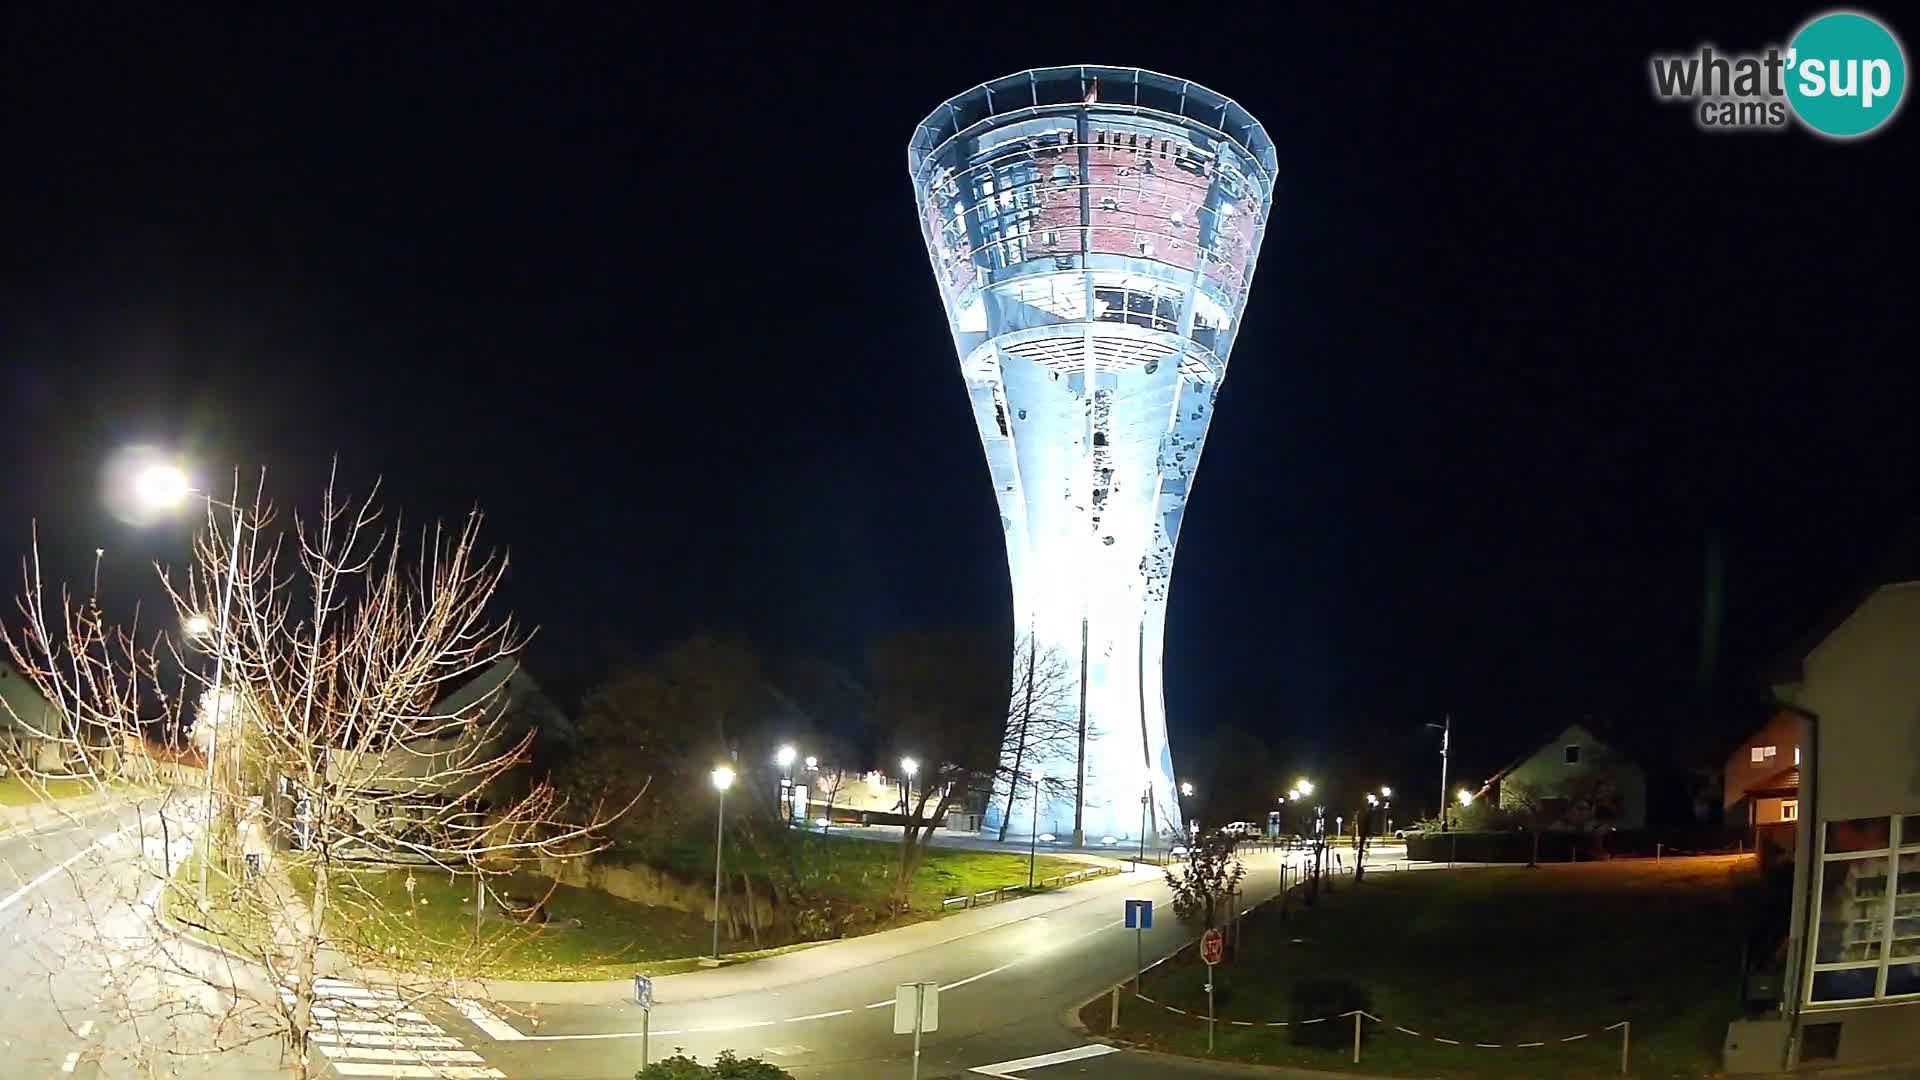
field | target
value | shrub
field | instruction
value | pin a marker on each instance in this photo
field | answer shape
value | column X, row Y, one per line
column 726, row 1067
column 1326, row 997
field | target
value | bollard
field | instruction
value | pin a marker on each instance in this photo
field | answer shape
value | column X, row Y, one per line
column 1113, row 1018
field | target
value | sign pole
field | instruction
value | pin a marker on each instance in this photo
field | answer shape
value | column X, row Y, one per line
column 1209, row 1007
column 919, row 1010
column 1356, row 1037
column 646, row 1022
column 1139, row 962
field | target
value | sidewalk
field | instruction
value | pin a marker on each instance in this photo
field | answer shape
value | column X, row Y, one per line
column 821, row 961
column 21, row 820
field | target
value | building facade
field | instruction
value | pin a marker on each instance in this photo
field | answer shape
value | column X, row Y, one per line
column 1853, row 978
column 1579, row 782
column 1093, row 231
column 1761, row 783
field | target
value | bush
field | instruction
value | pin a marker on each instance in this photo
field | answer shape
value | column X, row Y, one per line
column 1328, row 997
column 726, row 1067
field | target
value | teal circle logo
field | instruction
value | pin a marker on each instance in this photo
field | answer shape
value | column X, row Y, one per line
column 1846, row 74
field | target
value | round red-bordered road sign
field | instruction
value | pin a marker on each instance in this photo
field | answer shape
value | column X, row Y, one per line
column 1210, row 946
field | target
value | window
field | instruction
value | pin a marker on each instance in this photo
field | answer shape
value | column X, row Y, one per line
column 1789, row 809
column 1796, row 755
column 1762, row 753
column 1867, row 919
column 1572, row 754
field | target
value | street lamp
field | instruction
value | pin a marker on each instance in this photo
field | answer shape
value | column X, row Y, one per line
column 722, row 780
column 813, row 763
column 164, row 486
column 1305, row 786
column 1186, row 788
column 1033, row 842
column 784, row 758
column 197, row 625
column 908, row 766
column 1386, row 798
column 1146, row 795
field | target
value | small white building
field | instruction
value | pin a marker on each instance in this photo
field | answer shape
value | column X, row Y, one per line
column 1583, row 782
column 32, row 728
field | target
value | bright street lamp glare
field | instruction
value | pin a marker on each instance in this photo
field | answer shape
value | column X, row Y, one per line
column 1186, row 789
column 1466, row 797
column 1386, row 793
column 160, row 486
column 722, row 778
column 1306, row 787
column 786, row 755
column 1294, row 794
column 909, row 766
column 812, row 762
column 197, row 625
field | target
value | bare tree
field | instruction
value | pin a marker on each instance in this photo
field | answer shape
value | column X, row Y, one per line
column 354, row 702
column 1040, row 725
column 1208, row 879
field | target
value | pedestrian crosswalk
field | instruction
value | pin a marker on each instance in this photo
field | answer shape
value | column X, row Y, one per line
column 364, row 1032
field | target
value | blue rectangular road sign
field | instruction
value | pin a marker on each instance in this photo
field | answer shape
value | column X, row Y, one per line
column 1139, row 914
column 643, row 991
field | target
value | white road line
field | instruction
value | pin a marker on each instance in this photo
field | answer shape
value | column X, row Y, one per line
column 15, row 896
column 73, row 1059
column 418, row 1072
column 595, row 1035
column 86, row 1029
column 430, row 1057
column 380, row 1027
column 361, row 1038
column 1040, row 1061
column 494, row 1026
column 1008, row 964
column 820, row 1016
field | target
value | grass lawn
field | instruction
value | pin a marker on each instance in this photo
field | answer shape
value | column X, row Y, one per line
column 861, row 871
column 14, row 790
column 1497, row 955
column 234, row 918
column 617, row 938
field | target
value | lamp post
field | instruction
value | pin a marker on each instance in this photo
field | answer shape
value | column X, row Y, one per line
column 1466, row 798
column 163, row 486
column 722, row 780
column 909, row 767
column 1033, row 842
column 1186, row 792
column 784, row 758
column 1386, row 797
column 1446, row 741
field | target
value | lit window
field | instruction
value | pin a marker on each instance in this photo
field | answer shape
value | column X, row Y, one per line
column 1573, row 755
column 1789, row 809
column 1771, row 750
column 1796, row 755
column 1867, row 944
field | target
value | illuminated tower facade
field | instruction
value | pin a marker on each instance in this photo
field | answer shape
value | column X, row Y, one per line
column 1093, row 231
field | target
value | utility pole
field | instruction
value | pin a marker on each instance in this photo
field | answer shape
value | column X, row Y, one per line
column 1446, row 738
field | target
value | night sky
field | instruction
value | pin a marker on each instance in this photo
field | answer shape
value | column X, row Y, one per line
column 1522, row 340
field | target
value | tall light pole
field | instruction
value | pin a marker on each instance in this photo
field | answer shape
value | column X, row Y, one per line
column 162, row 486
column 1033, row 842
column 1446, row 739
column 784, row 758
column 909, row 766
column 1386, row 796
column 722, row 780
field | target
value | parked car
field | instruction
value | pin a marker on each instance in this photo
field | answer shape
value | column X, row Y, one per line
column 1241, row 828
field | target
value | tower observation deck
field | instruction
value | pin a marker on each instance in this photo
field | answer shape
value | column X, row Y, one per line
column 1093, row 231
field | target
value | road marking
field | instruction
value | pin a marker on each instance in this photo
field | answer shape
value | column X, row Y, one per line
column 430, row 1057
column 1041, row 1061
column 494, row 1026
column 73, row 1059
column 1008, row 964
column 15, row 897
column 820, row 1016
column 86, row 1029
column 418, row 1072
column 378, row 1026
column 394, row 1039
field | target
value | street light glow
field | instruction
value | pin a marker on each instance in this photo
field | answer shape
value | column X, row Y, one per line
column 812, row 762
column 785, row 756
column 1186, row 788
column 1386, row 793
column 1466, row 797
column 1305, row 786
column 197, row 625
column 1294, row 794
column 722, row 778
column 161, row 486
column 1371, row 801
column 909, row 766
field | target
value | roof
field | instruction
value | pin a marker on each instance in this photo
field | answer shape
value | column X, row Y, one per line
column 1897, row 563
column 1787, row 779
column 1540, row 744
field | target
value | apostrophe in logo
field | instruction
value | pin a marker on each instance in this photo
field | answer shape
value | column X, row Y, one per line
column 1846, row 74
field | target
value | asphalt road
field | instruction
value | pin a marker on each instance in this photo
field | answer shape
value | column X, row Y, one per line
column 1004, row 991
column 80, row 939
